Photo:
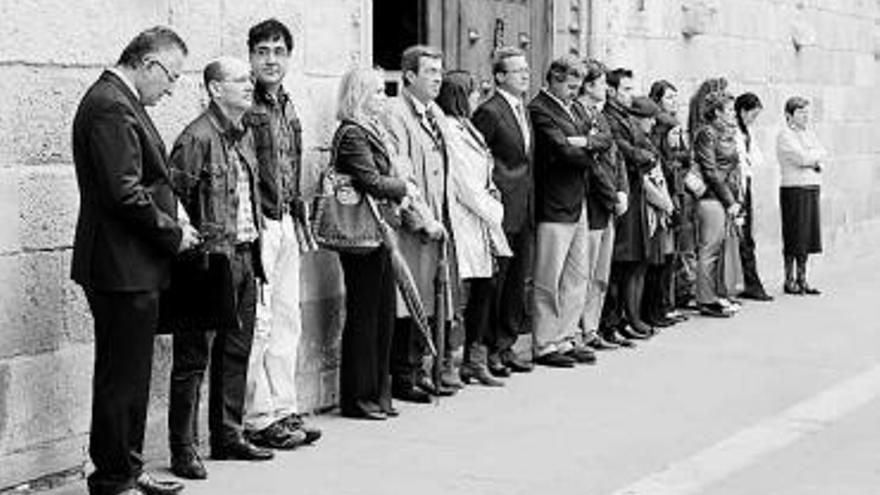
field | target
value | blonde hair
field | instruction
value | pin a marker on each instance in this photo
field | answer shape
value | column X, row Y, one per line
column 355, row 87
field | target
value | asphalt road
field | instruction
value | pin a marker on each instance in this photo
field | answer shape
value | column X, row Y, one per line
column 783, row 399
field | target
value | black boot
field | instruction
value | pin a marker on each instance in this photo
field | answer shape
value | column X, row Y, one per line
column 791, row 286
column 802, row 284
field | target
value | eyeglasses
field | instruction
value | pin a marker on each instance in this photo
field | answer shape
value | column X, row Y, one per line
column 172, row 78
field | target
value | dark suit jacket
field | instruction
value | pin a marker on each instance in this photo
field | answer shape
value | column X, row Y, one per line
column 561, row 170
column 513, row 170
column 126, row 232
column 606, row 175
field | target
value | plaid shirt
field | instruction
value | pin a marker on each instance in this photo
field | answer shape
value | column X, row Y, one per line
column 278, row 142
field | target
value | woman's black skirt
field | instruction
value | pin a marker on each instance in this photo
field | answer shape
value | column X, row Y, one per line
column 801, row 225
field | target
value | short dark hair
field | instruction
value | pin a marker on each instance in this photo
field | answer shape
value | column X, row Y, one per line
column 615, row 76
column 150, row 41
column 564, row 67
column 409, row 60
column 214, row 71
column 593, row 69
column 795, row 103
column 269, row 30
column 455, row 91
column 659, row 89
column 500, row 56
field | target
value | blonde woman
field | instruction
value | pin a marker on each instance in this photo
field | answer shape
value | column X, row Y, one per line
column 370, row 300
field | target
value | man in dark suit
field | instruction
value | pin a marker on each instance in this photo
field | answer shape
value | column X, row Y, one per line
column 564, row 156
column 126, row 236
column 504, row 123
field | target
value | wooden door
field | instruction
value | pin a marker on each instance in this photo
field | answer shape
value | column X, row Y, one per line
column 468, row 31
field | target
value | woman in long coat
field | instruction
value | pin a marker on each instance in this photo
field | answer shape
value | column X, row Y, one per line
column 475, row 215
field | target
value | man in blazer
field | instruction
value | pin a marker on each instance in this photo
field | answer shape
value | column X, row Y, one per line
column 505, row 125
column 564, row 154
column 415, row 125
column 127, row 233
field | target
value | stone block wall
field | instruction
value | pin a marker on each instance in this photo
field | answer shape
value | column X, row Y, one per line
column 753, row 44
column 50, row 52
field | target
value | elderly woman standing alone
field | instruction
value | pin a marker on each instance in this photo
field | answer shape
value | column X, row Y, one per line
column 801, row 160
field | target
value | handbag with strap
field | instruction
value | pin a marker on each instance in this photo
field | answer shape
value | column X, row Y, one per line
column 342, row 219
column 694, row 182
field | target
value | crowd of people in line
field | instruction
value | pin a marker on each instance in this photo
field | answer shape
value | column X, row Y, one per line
column 587, row 216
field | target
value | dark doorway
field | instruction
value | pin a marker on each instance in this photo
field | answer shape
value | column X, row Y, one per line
column 397, row 24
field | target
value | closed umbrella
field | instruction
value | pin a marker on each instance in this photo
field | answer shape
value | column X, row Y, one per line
column 406, row 283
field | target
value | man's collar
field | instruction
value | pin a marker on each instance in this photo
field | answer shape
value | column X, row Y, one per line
column 116, row 71
column 418, row 106
column 225, row 125
column 510, row 97
column 557, row 100
column 264, row 96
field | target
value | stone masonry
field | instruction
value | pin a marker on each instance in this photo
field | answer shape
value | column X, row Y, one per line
column 51, row 50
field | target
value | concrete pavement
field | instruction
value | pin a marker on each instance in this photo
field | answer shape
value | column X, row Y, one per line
column 623, row 426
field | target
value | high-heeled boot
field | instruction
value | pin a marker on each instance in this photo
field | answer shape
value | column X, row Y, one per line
column 449, row 374
column 474, row 367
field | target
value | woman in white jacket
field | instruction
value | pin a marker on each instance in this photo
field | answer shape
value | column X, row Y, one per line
column 801, row 162
column 475, row 214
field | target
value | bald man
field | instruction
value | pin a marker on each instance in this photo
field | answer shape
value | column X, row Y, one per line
column 213, row 170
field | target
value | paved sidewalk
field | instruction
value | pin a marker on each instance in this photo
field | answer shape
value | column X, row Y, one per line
column 601, row 429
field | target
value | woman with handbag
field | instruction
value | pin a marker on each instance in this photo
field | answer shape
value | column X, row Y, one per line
column 717, row 161
column 747, row 107
column 360, row 152
column 475, row 214
column 801, row 161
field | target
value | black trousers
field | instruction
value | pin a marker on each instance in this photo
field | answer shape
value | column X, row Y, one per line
column 125, row 324
column 623, row 301
column 477, row 310
column 407, row 352
column 752, row 281
column 510, row 314
column 370, row 307
column 229, row 349
column 659, row 292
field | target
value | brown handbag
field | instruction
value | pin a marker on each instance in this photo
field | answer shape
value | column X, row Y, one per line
column 342, row 219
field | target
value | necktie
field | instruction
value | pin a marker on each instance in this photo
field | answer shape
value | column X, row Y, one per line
column 435, row 127
column 523, row 123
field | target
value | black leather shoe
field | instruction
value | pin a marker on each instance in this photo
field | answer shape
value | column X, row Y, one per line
column 793, row 288
column 515, row 364
column 188, row 465
column 611, row 336
column 240, row 450
column 633, row 334
column 582, row 356
column 809, row 290
column 499, row 369
column 662, row 322
column 600, row 343
column 756, row 296
column 410, row 393
column 555, row 360
column 437, row 390
column 714, row 310
column 390, row 412
column 152, row 486
column 358, row 413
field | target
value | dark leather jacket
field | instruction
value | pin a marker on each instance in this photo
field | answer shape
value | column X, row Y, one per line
column 205, row 180
column 716, row 156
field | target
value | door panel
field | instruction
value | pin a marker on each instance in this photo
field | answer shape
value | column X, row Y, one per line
column 472, row 29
